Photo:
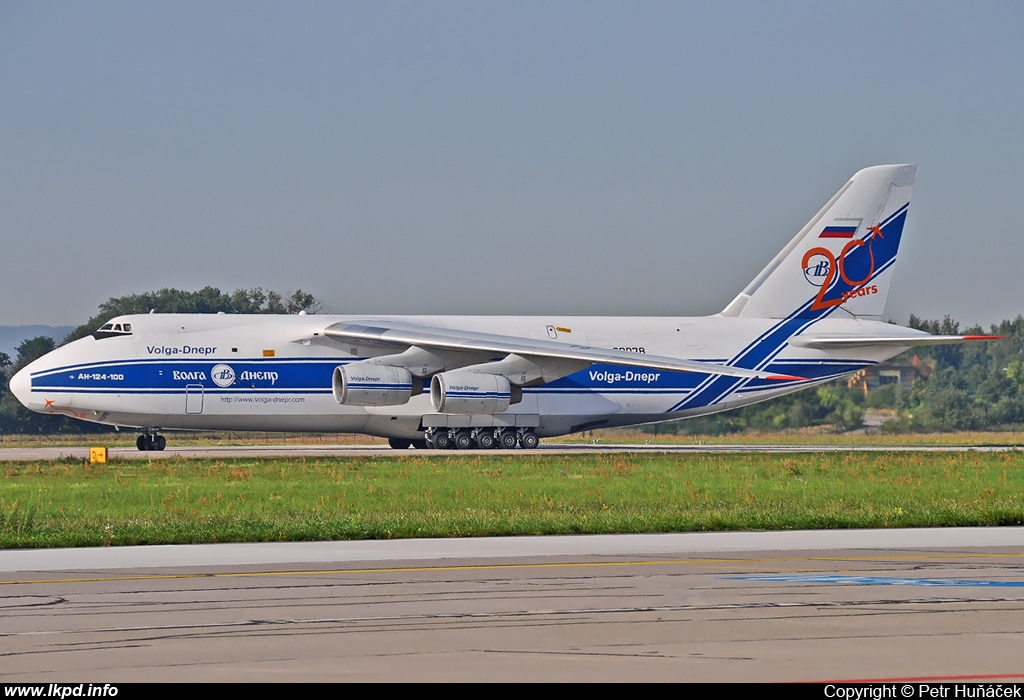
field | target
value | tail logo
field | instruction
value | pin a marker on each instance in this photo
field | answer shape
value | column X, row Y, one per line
column 820, row 266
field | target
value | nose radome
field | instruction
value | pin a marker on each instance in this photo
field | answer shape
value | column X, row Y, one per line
column 21, row 386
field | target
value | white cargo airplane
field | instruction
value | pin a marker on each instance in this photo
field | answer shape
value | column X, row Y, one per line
column 812, row 315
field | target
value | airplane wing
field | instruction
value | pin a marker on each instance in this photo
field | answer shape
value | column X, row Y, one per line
column 854, row 341
column 405, row 335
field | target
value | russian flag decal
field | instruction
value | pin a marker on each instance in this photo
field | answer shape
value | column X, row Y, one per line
column 838, row 232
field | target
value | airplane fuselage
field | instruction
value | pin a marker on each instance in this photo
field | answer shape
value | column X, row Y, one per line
column 261, row 372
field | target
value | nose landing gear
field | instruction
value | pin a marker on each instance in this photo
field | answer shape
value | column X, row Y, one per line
column 150, row 442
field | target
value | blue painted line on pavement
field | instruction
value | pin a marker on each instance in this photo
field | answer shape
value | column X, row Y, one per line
column 882, row 581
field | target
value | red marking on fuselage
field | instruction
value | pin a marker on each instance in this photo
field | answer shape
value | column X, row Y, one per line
column 54, row 409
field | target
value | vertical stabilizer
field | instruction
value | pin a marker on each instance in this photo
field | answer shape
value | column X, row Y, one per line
column 842, row 259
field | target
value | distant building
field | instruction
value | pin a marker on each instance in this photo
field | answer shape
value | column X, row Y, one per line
column 887, row 373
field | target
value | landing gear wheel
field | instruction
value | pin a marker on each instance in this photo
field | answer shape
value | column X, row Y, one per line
column 420, row 444
column 528, row 440
column 399, row 443
column 147, row 442
column 485, row 440
column 507, row 439
column 442, row 440
column 463, row 440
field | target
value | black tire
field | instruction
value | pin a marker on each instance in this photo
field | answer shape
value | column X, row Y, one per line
column 159, row 443
column 463, row 440
column 141, row 443
column 442, row 440
column 485, row 440
column 507, row 439
column 420, row 445
column 399, row 443
column 528, row 440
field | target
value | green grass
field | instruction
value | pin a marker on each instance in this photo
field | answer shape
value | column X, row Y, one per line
column 71, row 503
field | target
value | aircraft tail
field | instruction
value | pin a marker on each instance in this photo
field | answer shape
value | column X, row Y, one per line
column 842, row 259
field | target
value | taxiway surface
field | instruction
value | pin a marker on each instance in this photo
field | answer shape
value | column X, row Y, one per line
column 791, row 606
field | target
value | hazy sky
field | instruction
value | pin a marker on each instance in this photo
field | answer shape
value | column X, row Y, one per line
column 488, row 157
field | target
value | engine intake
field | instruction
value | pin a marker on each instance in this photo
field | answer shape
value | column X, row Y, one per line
column 470, row 392
column 367, row 384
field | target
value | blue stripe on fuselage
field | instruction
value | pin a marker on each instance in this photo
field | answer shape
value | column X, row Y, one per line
column 315, row 376
column 162, row 376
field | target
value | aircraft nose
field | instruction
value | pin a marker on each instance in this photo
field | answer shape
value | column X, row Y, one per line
column 21, row 386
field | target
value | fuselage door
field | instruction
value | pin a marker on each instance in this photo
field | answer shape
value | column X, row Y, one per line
column 193, row 398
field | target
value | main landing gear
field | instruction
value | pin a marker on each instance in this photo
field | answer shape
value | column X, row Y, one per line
column 470, row 438
column 148, row 442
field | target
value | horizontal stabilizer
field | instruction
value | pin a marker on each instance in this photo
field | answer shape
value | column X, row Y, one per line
column 825, row 343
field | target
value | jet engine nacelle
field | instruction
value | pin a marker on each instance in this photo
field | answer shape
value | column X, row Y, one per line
column 470, row 392
column 367, row 384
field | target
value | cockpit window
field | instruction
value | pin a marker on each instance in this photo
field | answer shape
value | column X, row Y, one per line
column 111, row 330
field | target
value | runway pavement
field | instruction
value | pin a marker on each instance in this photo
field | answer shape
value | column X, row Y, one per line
column 316, row 450
column 789, row 606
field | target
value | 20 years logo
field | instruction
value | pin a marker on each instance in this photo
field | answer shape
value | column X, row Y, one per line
column 821, row 266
